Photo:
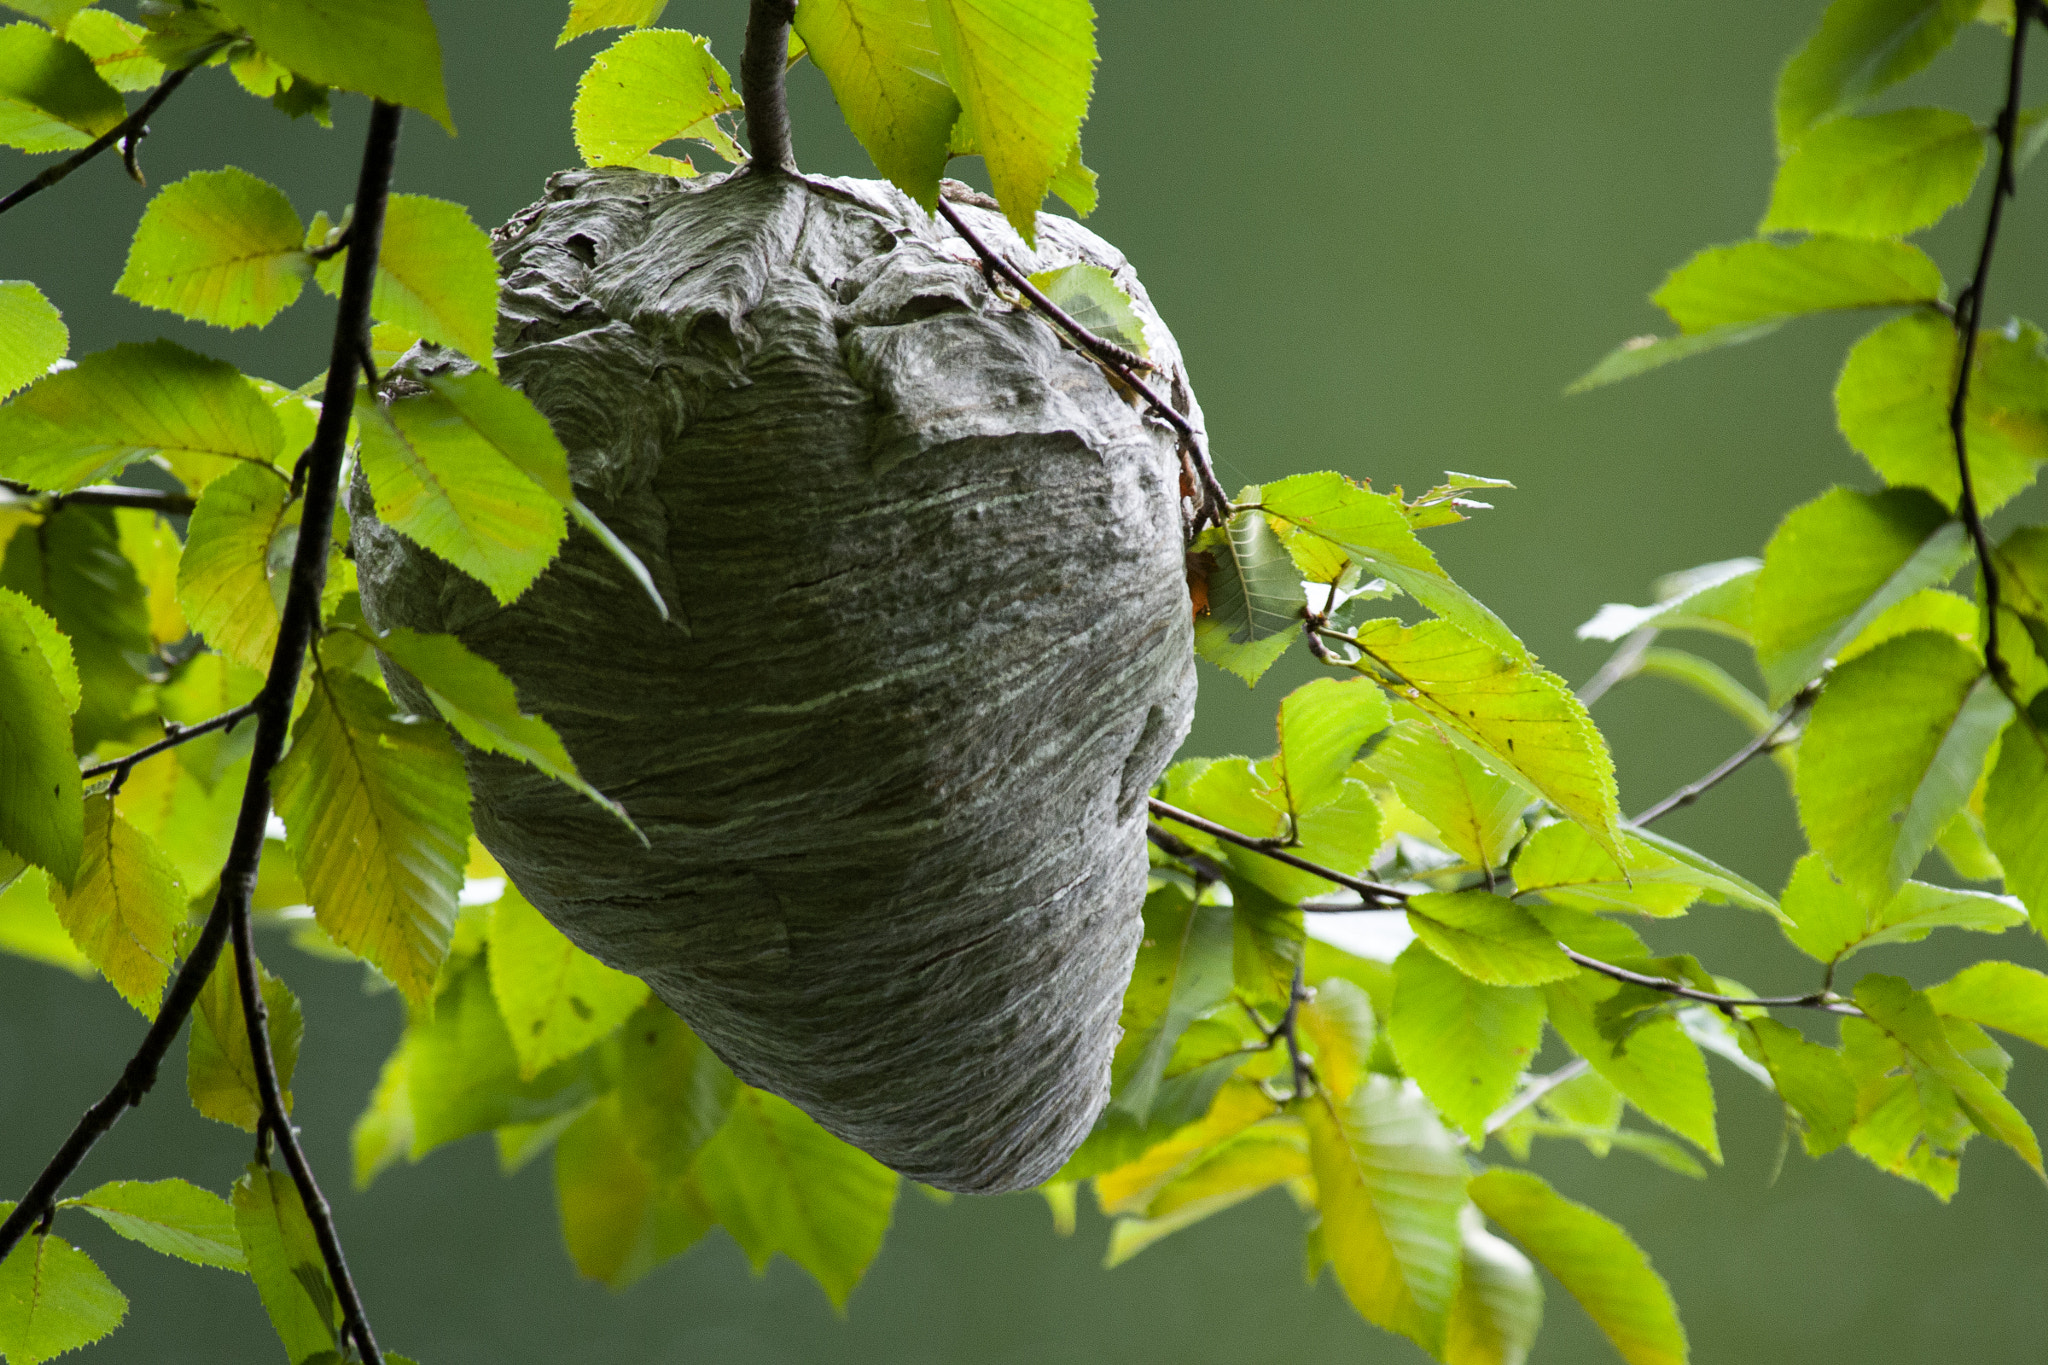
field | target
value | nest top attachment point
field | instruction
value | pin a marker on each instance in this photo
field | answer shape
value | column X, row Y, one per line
column 930, row 643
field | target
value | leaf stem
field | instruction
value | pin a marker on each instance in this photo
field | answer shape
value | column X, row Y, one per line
column 1766, row 739
column 273, row 710
column 123, row 132
column 179, row 734
column 1969, row 313
column 1215, row 503
column 764, row 63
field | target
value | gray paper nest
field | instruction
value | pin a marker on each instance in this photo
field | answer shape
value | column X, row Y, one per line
column 931, row 645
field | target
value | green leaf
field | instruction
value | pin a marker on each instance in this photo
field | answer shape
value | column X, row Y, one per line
column 779, row 1182
column 1893, row 398
column 1477, row 812
column 1909, row 1122
column 1594, row 1260
column 557, row 999
column 482, row 705
column 386, row 49
column 40, row 815
column 1373, row 532
column 174, row 1217
column 1463, row 1042
column 1641, row 354
column 1714, row 597
column 53, row 1299
column 1835, row 565
column 1499, row 1304
column 1886, row 175
column 1390, row 1183
column 1266, row 1154
column 1522, row 716
column 883, row 64
column 2001, row 995
column 2016, row 812
column 220, row 247
column 383, row 1131
column 436, row 276
column 51, row 99
column 205, row 686
column 1254, row 591
column 1891, row 753
column 33, row 336
column 1322, row 725
column 1488, row 938
column 1749, row 282
column 1861, row 48
column 1810, row 1078
column 1129, row 1186
column 376, row 813
column 29, row 926
column 73, row 568
column 588, row 16
column 1266, row 939
column 619, row 1218
column 1827, row 922
column 1022, row 71
column 1183, row 970
column 124, row 906
column 236, row 568
column 285, row 1261
column 673, row 1092
column 131, row 403
column 1927, row 609
column 1564, row 864
column 116, row 48
column 1909, row 1018
column 1091, row 296
column 454, row 495
column 1657, row 1067
column 220, row 1070
column 648, row 88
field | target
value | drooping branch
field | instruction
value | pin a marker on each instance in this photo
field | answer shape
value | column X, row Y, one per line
column 1766, row 739
column 273, row 705
column 126, row 132
column 111, row 495
column 1215, row 502
column 179, row 734
column 1815, row 1000
column 764, row 64
column 1969, row 314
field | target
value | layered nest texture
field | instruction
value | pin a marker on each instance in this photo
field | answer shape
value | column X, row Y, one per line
column 930, row 645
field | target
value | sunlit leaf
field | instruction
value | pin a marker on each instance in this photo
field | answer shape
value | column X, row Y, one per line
column 1563, row 864
column 1886, row 175
column 1488, row 938
column 53, row 1299
column 1248, row 1163
column 383, row 48
column 619, row 1217
column 1183, row 970
column 220, row 247
column 1861, row 48
column 652, row 87
column 33, row 336
column 116, row 48
column 29, row 927
column 236, row 567
column 1090, row 295
column 556, row 998
column 1657, row 1067
column 220, row 1070
column 124, row 906
column 1714, row 597
column 1828, row 922
column 1322, row 726
column 72, row 568
column 1477, row 812
column 1463, row 1042
column 285, row 1262
column 51, row 98
column 436, row 276
column 588, row 16
column 1909, row 1018
column 1810, row 1078
column 1752, row 282
column 1499, row 1304
column 673, row 1093
column 40, row 816
column 1640, row 355
column 174, row 1217
column 884, row 68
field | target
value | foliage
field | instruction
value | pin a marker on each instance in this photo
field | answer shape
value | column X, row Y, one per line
column 1440, row 772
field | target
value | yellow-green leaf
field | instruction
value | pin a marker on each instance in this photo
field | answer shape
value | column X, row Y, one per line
column 387, row 49
column 883, row 64
column 51, row 98
column 220, row 247
column 1753, row 282
column 651, row 87
column 1465, row 1043
column 53, row 1299
column 33, row 336
column 220, row 1070
column 588, row 16
column 236, row 567
column 1488, row 938
column 557, row 999
column 174, row 1217
column 40, row 817
column 285, row 1262
column 1885, row 175
column 124, row 906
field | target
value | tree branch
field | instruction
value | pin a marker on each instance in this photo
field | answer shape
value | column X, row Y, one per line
column 179, row 734
column 111, row 495
column 1766, row 740
column 1536, row 1090
column 273, row 707
column 1389, row 897
column 1969, row 313
column 764, row 62
column 1817, row 1000
column 1215, row 502
column 123, row 132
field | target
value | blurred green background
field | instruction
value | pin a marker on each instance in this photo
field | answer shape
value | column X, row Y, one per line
column 1387, row 234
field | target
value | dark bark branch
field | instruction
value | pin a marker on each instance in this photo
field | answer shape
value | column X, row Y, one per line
column 1215, row 502
column 1766, row 740
column 109, row 495
column 1387, row 897
column 1817, row 1000
column 764, row 62
column 124, row 132
column 273, row 707
column 179, row 734
column 1969, row 314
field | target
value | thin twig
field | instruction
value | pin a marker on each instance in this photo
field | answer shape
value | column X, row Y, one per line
column 764, row 61
column 1620, row 666
column 111, row 495
column 1765, row 740
column 120, row 132
column 299, row 618
column 1215, row 502
column 1536, row 1090
column 1297, row 1065
column 1817, row 1000
column 1391, row 896
column 1969, row 314
column 179, row 734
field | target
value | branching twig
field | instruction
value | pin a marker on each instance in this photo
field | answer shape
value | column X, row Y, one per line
column 179, row 734
column 273, row 706
column 123, row 132
column 111, row 495
column 1765, row 740
column 1215, row 502
column 1969, row 314
column 763, row 64
column 1817, row 1000
column 1385, row 897
column 1536, row 1090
